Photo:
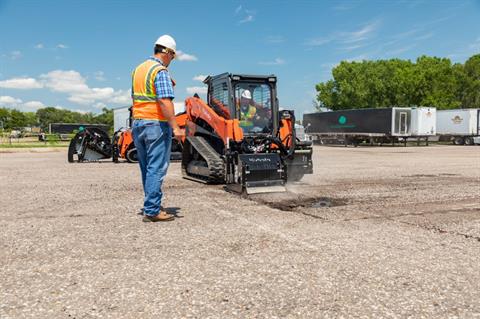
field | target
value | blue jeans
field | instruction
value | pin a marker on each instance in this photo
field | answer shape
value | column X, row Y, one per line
column 153, row 140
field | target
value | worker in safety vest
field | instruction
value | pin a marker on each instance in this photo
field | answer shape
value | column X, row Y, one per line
column 247, row 110
column 154, row 121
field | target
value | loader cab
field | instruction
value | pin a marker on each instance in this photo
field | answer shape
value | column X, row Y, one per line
column 257, row 114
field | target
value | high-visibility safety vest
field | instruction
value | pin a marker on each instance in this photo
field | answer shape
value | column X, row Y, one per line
column 144, row 96
column 247, row 116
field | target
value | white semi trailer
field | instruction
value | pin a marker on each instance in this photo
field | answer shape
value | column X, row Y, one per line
column 424, row 121
column 462, row 126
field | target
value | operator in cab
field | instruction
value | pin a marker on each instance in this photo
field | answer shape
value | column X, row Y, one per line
column 254, row 117
column 247, row 111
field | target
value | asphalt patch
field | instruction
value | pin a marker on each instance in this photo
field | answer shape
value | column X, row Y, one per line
column 291, row 204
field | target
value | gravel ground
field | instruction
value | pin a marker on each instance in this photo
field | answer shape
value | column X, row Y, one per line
column 401, row 239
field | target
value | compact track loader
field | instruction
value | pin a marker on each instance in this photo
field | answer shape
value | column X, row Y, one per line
column 241, row 139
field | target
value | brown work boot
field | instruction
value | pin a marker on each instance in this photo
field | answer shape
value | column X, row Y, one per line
column 162, row 217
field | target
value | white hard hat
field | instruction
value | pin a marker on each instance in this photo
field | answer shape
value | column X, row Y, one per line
column 246, row 94
column 167, row 42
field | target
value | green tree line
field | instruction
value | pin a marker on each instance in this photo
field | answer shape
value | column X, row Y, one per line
column 429, row 81
column 12, row 118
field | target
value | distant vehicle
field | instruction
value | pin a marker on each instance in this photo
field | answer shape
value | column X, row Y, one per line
column 16, row 134
column 69, row 128
column 461, row 126
column 424, row 121
column 378, row 125
column 300, row 133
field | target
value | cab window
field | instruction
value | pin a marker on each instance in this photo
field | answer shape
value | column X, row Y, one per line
column 254, row 109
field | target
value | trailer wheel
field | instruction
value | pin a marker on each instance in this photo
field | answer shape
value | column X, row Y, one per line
column 356, row 142
column 468, row 140
column 131, row 155
column 458, row 140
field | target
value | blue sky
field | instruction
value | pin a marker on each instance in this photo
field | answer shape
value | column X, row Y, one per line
column 78, row 55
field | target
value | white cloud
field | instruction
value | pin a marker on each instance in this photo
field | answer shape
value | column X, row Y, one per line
column 329, row 66
column 248, row 18
column 122, row 97
column 69, row 82
column 197, row 89
column 249, row 15
column 74, row 84
column 39, row 46
column 199, row 77
column 91, row 95
column 277, row 61
column 354, row 38
column 21, row 83
column 99, row 76
column 363, row 33
column 10, row 101
column 6, row 100
column 34, row 105
column 353, row 47
column 62, row 46
column 182, row 56
column 65, row 81
column 99, row 105
column 75, row 110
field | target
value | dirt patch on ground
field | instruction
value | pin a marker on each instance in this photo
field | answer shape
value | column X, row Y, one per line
column 294, row 202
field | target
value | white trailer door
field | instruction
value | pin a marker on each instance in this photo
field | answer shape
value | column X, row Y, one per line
column 402, row 123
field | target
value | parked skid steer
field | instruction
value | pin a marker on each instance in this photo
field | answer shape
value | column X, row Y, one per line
column 241, row 139
column 93, row 144
column 90, row 144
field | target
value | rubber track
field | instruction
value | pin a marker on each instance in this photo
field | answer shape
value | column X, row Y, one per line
column 213, row 159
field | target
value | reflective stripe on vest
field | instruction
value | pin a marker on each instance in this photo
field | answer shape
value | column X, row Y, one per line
column 145, row 104
column 246, row 117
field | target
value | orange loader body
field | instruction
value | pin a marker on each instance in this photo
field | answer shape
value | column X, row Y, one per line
column 124, row 147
